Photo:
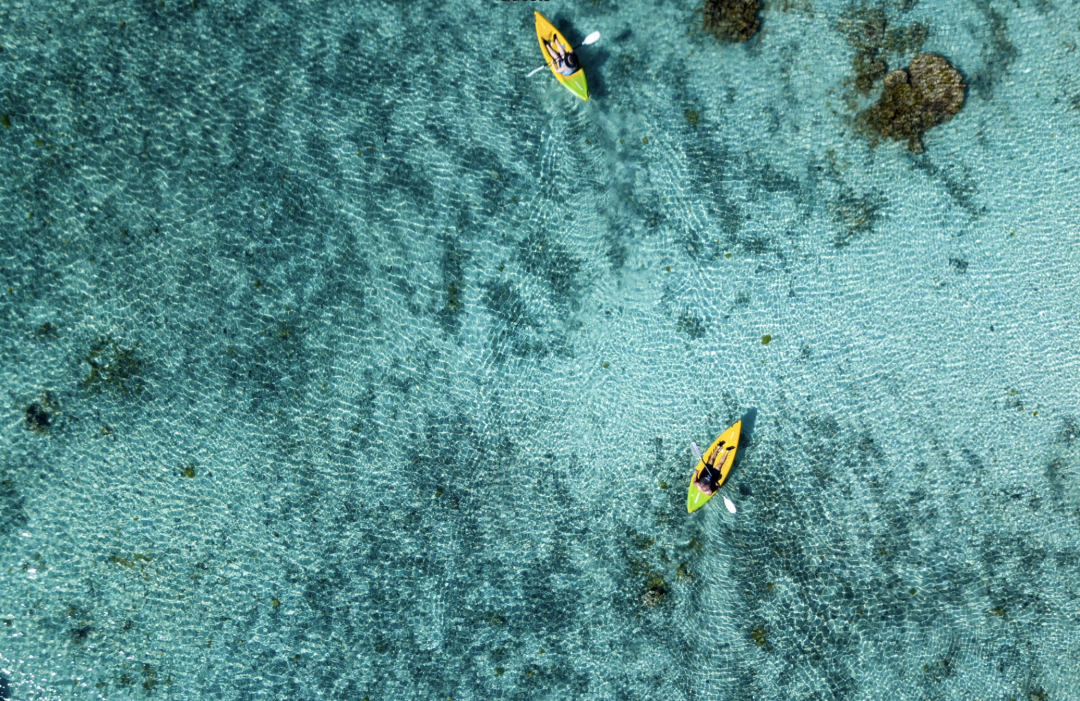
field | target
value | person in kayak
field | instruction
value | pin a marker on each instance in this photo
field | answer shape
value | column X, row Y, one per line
column 710, row 476
column 565, row 61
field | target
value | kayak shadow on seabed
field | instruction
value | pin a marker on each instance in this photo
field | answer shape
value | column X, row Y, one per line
column 748, row 421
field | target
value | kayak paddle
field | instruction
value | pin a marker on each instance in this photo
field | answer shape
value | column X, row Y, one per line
column 591, row 39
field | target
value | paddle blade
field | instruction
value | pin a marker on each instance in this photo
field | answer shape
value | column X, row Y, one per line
column 695, row 450
column 536, row 71
column 730, row 506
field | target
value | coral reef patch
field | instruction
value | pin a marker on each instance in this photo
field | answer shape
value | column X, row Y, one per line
column 731, row 20
column 112, row 368
column 867, row 30
column 929, row 92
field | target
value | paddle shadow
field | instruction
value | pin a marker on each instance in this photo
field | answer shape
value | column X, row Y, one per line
column 565, row 24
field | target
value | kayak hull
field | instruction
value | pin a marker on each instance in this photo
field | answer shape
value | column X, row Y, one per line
column 575, row 82
column 695, row 499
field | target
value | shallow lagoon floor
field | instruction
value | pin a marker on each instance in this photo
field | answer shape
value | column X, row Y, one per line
column 340, row 360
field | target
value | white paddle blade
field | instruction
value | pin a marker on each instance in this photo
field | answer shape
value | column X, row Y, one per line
column 730, row 506
column 536, row 71
column 695, row 450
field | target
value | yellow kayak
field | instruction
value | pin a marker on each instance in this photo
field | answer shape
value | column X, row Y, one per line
column 554, row 45
column 721, row 454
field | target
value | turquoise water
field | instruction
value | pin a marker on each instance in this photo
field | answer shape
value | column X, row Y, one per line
column 340, row 360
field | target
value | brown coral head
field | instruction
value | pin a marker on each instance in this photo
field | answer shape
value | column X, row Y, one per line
column 928, row 93
column 731, row 20
column 895, row 78
column 941, row 85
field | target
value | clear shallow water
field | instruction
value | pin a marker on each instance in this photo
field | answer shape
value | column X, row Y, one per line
column 391, row 363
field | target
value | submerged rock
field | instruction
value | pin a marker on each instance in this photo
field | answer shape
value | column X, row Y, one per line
column 37, row 419
column 652, row 597
column 927, row 93
column 655, row 593
column 731, row 20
